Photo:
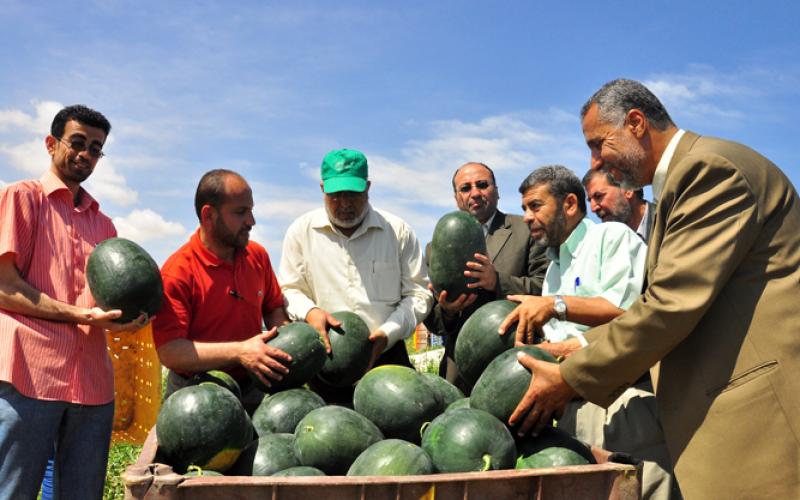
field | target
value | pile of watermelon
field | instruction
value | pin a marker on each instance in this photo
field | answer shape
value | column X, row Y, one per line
column 402, row 422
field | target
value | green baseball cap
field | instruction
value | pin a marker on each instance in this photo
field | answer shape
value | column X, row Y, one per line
column 344, row 170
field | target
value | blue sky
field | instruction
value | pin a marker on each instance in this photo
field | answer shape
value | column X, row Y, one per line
column 267, row 88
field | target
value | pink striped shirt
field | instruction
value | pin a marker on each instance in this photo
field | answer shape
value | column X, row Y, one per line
column 51, row 240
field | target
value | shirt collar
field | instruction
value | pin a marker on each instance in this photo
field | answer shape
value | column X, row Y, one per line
column 573, row 241
column 660, row 175
column 52, row 184
column 488, row 224
column 644, row 224
column 206, row 256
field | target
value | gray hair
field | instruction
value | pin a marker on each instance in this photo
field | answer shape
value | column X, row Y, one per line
column 560, row 181
column 591, row 174
column 617, row 97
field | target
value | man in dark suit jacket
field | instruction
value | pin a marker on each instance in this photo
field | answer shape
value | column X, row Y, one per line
column 514, row 264
column 718, row 321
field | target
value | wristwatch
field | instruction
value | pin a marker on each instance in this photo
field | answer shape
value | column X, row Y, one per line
column 561, row 308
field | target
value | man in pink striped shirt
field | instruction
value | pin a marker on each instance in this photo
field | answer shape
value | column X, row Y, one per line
column 56, row 380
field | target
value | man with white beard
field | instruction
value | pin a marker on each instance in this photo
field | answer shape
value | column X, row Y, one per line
column 350, row 256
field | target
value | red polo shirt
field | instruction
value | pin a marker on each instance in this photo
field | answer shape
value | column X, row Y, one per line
column 209, row 300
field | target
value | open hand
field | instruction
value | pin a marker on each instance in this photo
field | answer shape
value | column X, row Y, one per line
column 264, row 361
column 451, row 309
column 321, row 320
column 532, row 313
column 561, row 349
column 105, row 320
column 483, row 271
column 547, row 395
column 379, row 341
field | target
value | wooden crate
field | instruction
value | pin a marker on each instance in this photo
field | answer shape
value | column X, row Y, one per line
column 606, row 480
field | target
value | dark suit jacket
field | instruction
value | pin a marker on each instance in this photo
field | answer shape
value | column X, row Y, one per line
column 520, row 265
column 720, row 311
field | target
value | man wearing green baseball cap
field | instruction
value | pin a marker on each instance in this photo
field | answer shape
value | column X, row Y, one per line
column 349, row 256
column 344, row 170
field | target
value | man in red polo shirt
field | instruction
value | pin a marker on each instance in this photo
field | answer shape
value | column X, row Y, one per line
column 219, row 291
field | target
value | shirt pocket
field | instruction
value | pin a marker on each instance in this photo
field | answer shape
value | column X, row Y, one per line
column 384, row 282
column 584, row 288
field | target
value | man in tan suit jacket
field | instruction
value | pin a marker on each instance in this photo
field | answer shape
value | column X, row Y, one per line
column 718, row 320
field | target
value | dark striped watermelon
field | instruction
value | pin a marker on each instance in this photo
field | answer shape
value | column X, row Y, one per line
column 351, row 351
column 303, row 343
column 398, row 400
column 503, row 383
column 122, row 275
column 203, row 425
column 466, row 439
column 478, row 342
column 457, row 237
column 282, row 411
column 392, row 457
column 332, row 437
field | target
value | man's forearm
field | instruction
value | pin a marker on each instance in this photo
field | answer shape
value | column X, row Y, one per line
column 18, row 296
column 190, row 356
column 276, row 317
column 590, row 311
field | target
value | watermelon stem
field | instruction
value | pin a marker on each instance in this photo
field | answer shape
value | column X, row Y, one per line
column 487, row 462
column 423, row 428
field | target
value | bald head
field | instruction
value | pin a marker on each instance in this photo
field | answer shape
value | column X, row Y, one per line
column 211, row 190
column 475, row 190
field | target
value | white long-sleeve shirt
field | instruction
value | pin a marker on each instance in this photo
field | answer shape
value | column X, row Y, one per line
column 378, row 273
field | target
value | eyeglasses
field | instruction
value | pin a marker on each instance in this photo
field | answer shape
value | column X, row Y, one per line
column 79, row 146
column 466, row 188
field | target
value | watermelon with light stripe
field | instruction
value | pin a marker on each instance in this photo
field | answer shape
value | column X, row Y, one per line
column 203, row 425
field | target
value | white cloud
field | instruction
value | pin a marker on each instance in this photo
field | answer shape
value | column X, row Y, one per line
column 147, row 225
column 107, row 185
column 18, row 121
column 703, row 92
column 271, row 238
column 277, row 203
column 510, row 144
column 30, row 156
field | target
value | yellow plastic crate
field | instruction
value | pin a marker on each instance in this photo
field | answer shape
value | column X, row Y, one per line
column 137, row 384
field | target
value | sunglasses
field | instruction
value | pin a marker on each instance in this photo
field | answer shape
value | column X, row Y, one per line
column 79, row 146
column 466, row 188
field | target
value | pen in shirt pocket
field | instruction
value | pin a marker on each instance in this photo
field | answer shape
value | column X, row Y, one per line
column 577, row 283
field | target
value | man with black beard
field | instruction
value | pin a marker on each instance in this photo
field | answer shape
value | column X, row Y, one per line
column 595, row 273
column 611, row 201
column 219, row 290
column 350, row 256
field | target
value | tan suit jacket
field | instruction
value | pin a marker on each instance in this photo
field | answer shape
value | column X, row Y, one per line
column 721, row 312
